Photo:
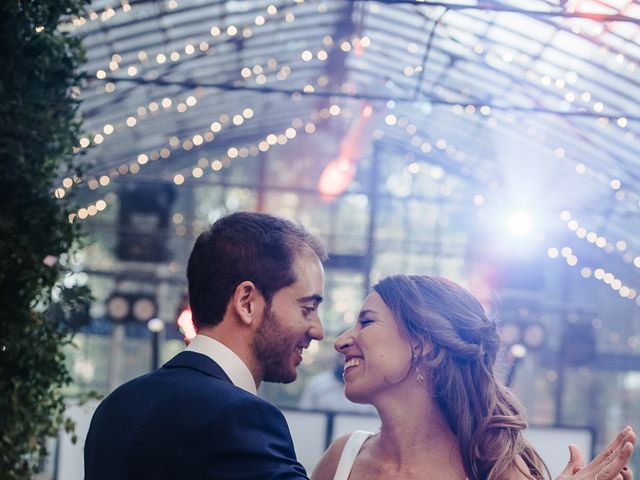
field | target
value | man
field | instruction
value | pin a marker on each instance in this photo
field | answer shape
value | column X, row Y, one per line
column 255, row 284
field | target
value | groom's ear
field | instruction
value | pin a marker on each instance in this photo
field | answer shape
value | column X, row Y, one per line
column 247, row 302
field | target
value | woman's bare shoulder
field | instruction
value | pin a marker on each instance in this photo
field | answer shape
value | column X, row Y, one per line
column 328, row 463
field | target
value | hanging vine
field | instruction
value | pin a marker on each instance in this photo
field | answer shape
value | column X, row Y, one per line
column 39, row 127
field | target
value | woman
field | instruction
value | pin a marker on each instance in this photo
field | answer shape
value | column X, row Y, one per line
column 422, row 353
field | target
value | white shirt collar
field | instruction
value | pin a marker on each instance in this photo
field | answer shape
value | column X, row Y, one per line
column 228, row 360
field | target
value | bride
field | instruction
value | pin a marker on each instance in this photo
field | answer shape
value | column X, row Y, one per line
column 422, row 353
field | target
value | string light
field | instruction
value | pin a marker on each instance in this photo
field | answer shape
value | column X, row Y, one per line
column 625, row 291
column 181, row 107
column 216, row 32
column 91, row 209
column 179, row 178
column 598, row 273
column 261, row 78
column 132, row 121
column 599, row 241
column 187, row 143
column 103, row 15
column 268, row 142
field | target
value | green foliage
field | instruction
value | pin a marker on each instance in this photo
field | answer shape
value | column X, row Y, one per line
column 38, row 129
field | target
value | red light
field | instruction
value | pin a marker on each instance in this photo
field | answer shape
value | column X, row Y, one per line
column 185, row 322
column 335, row 177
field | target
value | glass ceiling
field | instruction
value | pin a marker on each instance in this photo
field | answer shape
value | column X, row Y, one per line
column 525, row 104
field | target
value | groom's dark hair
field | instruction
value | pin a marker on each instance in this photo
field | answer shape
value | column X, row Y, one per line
column 243, row 246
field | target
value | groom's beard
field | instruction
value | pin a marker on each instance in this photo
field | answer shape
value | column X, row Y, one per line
column 273, row 347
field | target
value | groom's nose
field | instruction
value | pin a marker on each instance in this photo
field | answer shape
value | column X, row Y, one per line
column 316, row 330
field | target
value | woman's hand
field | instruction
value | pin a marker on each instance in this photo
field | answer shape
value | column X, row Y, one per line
column 610, row 464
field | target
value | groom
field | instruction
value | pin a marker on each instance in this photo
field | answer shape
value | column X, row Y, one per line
column 255, row 284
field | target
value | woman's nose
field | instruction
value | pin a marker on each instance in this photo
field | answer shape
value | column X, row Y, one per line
column 343, row 341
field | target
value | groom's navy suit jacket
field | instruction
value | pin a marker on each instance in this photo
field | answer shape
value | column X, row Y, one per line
column 186, row 421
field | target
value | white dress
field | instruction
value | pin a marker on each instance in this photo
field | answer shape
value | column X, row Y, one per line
column 349, row 453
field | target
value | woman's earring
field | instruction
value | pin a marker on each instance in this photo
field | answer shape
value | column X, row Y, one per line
column 417, row 353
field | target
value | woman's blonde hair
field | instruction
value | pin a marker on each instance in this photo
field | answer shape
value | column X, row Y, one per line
column 458, row 346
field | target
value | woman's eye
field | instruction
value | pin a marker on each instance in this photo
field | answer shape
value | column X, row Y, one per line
column 364, row 322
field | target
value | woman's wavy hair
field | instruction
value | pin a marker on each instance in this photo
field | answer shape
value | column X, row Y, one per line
column 459, row 345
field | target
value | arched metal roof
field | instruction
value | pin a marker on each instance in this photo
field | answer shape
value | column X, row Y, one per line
column 525, row 103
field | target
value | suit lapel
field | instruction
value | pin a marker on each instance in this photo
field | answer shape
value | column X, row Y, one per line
column 197, row 361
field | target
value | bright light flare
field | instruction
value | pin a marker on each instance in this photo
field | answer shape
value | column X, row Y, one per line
column 518, row 350
column 155, row 325
column 519, row 223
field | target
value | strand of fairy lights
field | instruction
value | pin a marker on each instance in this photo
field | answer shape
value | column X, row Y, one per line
column 599, row 273
column 270, row 139
column 261, row 146
column 609, row 278
column 264, row 145
column 508, row 57
column 189, row 142
column 579, row 168
column 154, row 107
column 174, row 56
column 485, row 110
column 105, row 15
column 258, row 70
column 191, row 100
column 161, row 58
column 426, row 147
column 143, row 159
column 217, row 164
column 598, row 240
column 217, row 32
column 181, row 106
column 91, row 209
column 246, row 73
column 598, row 107
column 306, row 55
column 562, row 84
column 602, row 121
column 164, row 105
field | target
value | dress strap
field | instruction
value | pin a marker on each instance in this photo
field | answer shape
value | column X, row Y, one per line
column 349, row 453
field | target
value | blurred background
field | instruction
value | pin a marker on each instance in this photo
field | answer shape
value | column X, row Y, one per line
column 495, row 143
